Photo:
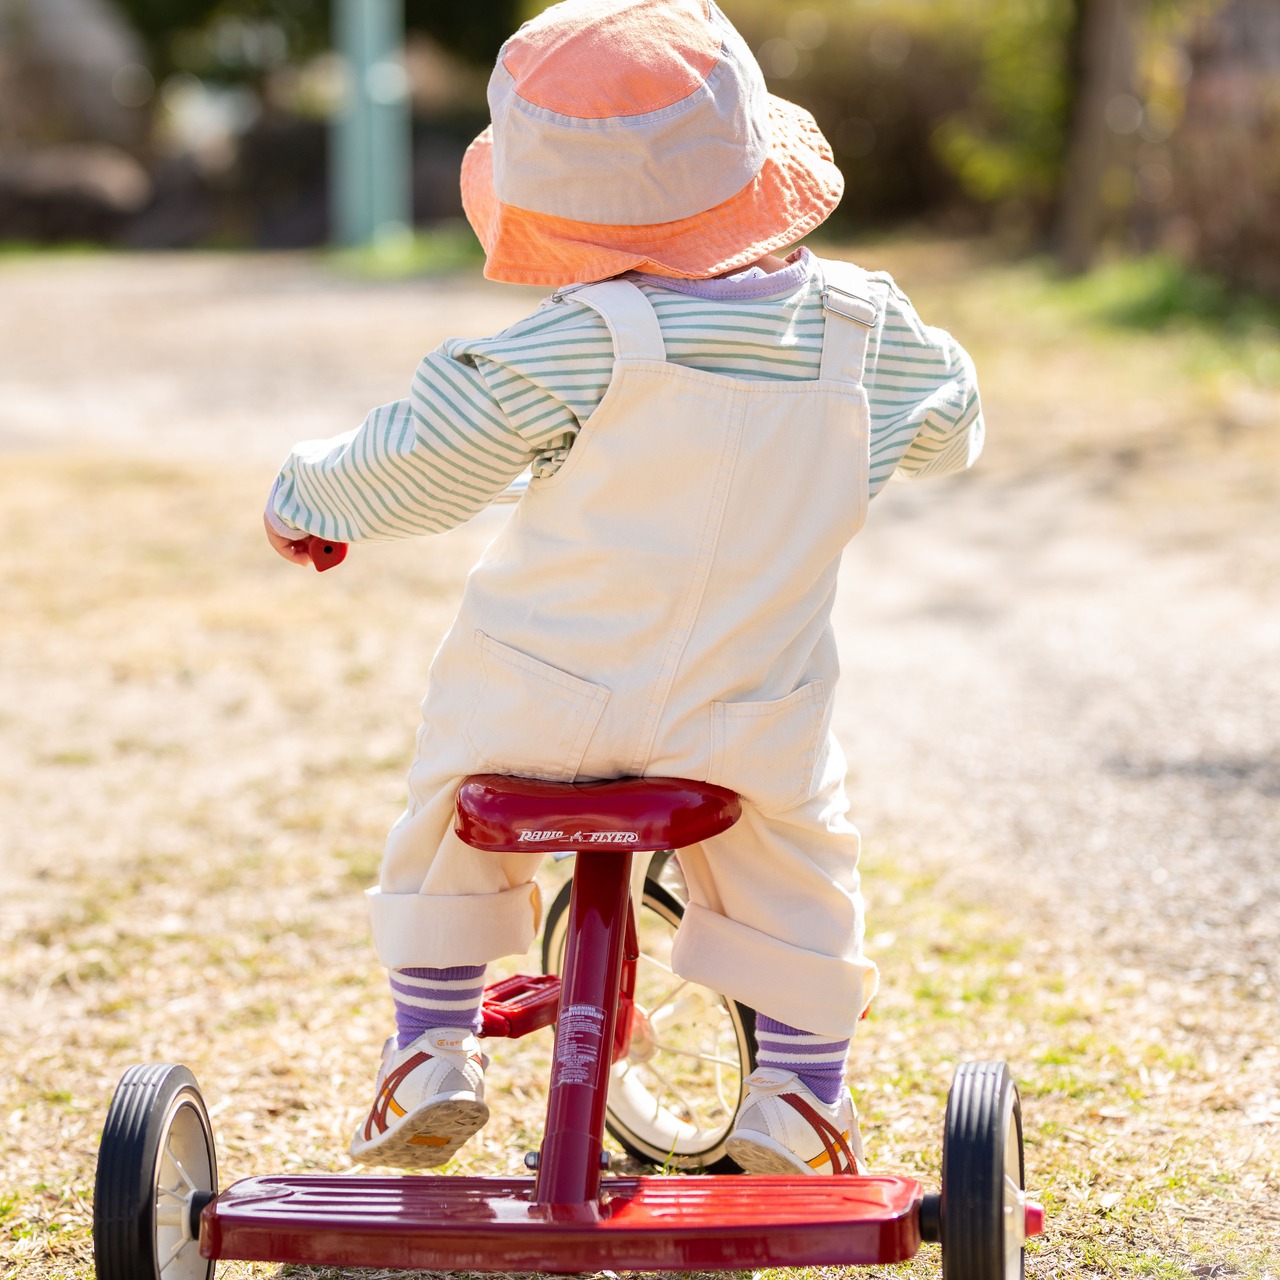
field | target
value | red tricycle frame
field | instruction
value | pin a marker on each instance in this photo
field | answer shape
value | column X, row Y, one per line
column 565, row 1217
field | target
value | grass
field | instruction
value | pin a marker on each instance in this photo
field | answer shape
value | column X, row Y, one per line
column 18, row 250
column 202, row 752
column 446, row 247
column 1222, row 333
column 1120, row 1147
column 1156, row 293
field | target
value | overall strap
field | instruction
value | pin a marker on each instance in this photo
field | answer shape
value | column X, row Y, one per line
column 627, row 312
column 851, row 315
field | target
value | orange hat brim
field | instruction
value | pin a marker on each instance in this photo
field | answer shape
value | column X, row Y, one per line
column 795, row 190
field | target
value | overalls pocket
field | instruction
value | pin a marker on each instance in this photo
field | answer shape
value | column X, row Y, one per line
column 768, row 751
column 529, row 717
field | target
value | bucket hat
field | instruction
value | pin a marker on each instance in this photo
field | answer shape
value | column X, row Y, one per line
column 638, row 134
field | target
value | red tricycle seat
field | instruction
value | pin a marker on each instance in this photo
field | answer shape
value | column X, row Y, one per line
column 504, row 814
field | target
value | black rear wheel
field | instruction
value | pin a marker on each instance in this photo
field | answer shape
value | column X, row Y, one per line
column 982, row 1213
column 156, row 1172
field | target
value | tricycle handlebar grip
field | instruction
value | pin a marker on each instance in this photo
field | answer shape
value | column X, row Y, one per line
column 325, row 553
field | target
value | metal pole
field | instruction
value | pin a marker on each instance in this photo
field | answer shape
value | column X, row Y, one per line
column 371, row 139
column 572, row 1141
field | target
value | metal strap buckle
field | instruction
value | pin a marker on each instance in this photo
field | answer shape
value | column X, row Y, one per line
column 851, row 306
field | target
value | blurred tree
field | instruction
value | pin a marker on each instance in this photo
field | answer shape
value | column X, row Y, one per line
column 193, row 35
column 937, row 107
column 64, row 74
column 1005, row 142
column 184, row 34
column 1100, row 75
column 1224, row 208
column 473, row 31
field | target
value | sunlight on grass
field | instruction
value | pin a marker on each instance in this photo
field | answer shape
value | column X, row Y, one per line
column 436, row 250
column 1157, row 293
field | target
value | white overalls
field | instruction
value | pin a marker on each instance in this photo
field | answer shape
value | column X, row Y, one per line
column 661, row 605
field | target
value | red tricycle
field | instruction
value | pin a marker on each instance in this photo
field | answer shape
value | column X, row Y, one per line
column 657, row 1061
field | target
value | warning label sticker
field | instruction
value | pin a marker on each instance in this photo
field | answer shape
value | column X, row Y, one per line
column 579, row 1037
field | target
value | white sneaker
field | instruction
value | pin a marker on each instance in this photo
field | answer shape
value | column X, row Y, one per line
column 428, row 1100
column 783, row 1128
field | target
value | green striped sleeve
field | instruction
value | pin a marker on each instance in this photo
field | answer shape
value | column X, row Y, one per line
column 926, row 417
column 481, row 410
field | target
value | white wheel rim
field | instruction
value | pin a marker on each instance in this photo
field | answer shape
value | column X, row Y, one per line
column 1014, row 1206
column 184, row 1169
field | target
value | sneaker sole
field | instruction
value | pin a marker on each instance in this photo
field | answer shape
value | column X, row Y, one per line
column 427, row 1138
column 758, row 1153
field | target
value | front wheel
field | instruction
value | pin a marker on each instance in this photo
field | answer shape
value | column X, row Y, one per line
column 156, row 1172
column 673, row 1098
column 983, row 1210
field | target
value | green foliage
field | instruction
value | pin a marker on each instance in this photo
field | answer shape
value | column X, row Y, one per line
column 1009, row 141
column 928, row 105
column 232, row 38
column 227, row 38
column 474, row 31
column 1157, row 292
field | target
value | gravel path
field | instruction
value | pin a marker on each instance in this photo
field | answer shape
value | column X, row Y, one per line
column 1061, row 711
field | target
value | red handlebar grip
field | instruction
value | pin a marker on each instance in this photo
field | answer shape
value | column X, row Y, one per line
column 325, row 553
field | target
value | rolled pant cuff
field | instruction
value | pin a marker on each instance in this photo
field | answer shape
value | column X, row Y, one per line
column 417, row 930
column 824, row 995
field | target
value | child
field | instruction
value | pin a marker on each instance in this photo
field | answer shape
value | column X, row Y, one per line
column 705, row 429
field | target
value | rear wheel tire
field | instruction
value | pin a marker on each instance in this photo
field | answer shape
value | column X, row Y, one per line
column 156, row 1172
column 982, row 1214
column 673, row 1100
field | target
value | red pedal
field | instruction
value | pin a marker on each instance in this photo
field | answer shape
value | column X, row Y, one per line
column 520, row 1004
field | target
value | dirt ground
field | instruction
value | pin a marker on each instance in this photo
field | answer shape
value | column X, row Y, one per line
column 1060, row 704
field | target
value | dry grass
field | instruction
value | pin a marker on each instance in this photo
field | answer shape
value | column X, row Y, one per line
column 200, row 750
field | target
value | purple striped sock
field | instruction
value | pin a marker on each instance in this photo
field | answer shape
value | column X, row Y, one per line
column 817, row 1060
column 430, row 998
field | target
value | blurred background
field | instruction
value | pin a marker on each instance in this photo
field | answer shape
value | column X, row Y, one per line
column 1148, row 126
column 227, row 225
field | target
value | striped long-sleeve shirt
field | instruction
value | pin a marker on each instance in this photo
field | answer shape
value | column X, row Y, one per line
column 480, row 411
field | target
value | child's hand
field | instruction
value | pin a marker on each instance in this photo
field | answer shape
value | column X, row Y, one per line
column 295, row 550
